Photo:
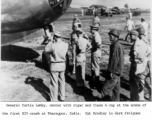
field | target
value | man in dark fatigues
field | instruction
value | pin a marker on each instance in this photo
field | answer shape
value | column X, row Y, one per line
column 111, row 87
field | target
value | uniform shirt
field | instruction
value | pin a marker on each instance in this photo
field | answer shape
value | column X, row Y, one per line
column 116, row 59
column 96, row 42
column 96, row 20
column 130, row 25
column 81, row 47
column 140, row 50
column 71, row 36
column 57, row 51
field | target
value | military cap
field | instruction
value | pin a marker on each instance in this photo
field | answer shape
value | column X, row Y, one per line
column 114, row 32
column 134, row 32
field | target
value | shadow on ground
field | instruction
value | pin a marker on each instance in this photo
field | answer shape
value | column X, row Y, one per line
column 85, row 91
column 37, row 84
column 17, row 53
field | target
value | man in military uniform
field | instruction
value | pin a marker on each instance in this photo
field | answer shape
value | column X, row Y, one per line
column 111, row 87
column 138, row 59
column 145, row 76
column 129, row 26
column 95, row 54
column 82, row 46
column 57, row 51
column 96, row 20
column 75, row 27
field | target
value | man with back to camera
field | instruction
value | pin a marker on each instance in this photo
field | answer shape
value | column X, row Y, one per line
column 57, row 51
column 130, row 26
column 95, row 55
column 111, row 87
column 82, row 46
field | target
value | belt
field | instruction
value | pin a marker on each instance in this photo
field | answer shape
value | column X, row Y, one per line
column 58, row 62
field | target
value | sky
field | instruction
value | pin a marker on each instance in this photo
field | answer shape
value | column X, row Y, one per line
column 144, row 4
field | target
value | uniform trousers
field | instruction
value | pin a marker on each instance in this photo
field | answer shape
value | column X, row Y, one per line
column 128, row 34
column 145, row 80
column 111, row 88
column 95, row 59
column 73, row 57
column 57, row 86
column 80, row 73
column 134, row 84
column 137, row 84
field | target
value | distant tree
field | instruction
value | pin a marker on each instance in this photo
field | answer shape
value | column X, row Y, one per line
column 126, row 6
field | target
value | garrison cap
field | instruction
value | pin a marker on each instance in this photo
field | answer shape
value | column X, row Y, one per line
column 114, row 32
column 134, row 32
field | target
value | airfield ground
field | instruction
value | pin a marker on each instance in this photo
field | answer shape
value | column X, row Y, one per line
column 16, row 69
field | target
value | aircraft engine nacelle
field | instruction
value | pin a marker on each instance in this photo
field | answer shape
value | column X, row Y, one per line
column 22, row 15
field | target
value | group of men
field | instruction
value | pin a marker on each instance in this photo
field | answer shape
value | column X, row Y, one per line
column 81, row 45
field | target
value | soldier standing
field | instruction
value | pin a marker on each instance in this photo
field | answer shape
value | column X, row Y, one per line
column 145, row 76
column 76, row 26
column 138, row 59
column 111, row 87
column 82, row 46
column 95, row 54
column 57, row 51
column 130, row 26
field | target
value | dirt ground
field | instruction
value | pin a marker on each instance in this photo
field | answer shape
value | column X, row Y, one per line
column 24, row 79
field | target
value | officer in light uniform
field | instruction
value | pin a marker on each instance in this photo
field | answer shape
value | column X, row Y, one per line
column 138, row 59
column 75, row 27
column 82, row 46
column 145, row 27
column 145, row 76
column 95, row 54
column 58, row 51
column 130, row 26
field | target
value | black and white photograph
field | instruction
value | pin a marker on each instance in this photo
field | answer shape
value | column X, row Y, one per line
column 75, row 51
